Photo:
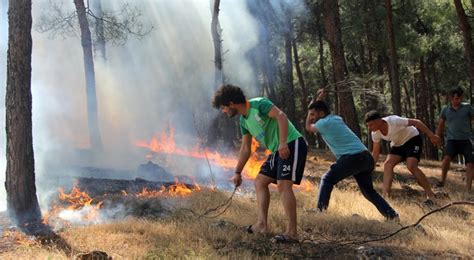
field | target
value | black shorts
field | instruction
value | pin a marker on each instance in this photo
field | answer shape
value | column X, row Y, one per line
column 464, row 147
column 412, row 148
column 289, row 169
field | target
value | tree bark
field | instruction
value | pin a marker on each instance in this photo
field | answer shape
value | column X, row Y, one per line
column 424, row 103
column 290, row 88
column 332, row 24
column 221, row 127
column 99, row 29
column 216, row 39
column 467, row 37
column 395, row 79
column 324, row 79
column 86, row 41
column 22, row 202
column 409, row 109
column 304, row 90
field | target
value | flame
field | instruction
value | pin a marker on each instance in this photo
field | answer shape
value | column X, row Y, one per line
column 77, row 202
column 305, row 186
column 19, row 237
column 176, row 190
column 165, row 144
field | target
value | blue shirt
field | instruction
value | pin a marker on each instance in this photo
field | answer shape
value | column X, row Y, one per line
column 338, row 136
column 458, row 122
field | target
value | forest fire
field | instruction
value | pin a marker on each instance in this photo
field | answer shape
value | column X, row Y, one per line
column 163, row 143
column 175, row 190
column 77, row 205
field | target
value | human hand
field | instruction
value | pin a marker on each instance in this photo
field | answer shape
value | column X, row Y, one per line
column 283, row 151
column 320, row 94
column 237, row 179
column 435, row 140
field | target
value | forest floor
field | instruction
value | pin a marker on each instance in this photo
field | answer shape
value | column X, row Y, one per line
column 337, row 233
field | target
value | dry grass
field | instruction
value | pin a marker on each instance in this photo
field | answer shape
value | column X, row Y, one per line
column 445, row 234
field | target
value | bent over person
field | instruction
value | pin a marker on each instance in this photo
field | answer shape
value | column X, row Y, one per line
column 270, row 126
column 353, row 158
column 405, row 144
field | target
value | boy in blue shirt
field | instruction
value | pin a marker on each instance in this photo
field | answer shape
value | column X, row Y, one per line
column 353, row 158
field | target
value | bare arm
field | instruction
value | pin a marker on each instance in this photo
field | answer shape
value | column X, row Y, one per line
column 376, row 151
column 309, row 125
column 440, row 128
column 244, row 155
column 282, row 120
column 423, row 128
column 321, row 94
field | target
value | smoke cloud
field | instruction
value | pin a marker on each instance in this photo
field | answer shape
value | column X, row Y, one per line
column 146, row 85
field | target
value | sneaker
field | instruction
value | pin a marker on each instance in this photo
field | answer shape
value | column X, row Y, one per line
column 429, row 203
column 313, row 211
column 395, row 218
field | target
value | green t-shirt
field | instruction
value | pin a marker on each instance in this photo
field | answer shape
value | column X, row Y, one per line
column 264, row 128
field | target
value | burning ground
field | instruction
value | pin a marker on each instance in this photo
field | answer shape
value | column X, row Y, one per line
column 154, row 225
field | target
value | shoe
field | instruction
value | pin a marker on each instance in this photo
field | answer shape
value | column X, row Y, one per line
column 315, row 210
column 248, row 229
column 283, row 239
column 395, row 218
column 429, row 203
column 439, row 184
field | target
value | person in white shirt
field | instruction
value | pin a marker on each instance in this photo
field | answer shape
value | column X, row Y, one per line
column 405, row 144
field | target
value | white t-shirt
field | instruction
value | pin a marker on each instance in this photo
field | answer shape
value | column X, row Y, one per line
column 399, row 132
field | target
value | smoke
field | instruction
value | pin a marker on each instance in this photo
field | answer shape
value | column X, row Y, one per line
column 3, row 66
column 146, row 86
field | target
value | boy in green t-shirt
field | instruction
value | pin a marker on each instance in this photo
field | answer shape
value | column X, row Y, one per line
column 270, row 126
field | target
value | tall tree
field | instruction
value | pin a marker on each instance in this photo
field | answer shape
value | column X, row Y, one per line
column 216, row 39
column 467, row 37
column 22, row 202
column 99, row 29
column 332, row 24
column 395, row 78
column 92, row 113
column 299, row 73
column 221, row 127
column 288, row 78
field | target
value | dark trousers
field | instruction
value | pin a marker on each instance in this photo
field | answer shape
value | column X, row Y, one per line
column 360, row 166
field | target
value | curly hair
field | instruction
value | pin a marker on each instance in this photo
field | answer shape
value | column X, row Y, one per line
column 226, row 94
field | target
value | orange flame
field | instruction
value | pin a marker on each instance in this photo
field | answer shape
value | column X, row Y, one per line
column 165, row 144
column 175, row 190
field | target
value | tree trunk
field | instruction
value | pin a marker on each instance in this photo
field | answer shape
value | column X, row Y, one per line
column 86, row 41
column 333, row 32
column 22, row 202
column 221, row 127
column 324, row 79
column 216, row 39
column 290, row 92
column 424, row 104
column 409, row 109
column 304, row 91
column 467, row 36
column 99, row 29
column 395, row 80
